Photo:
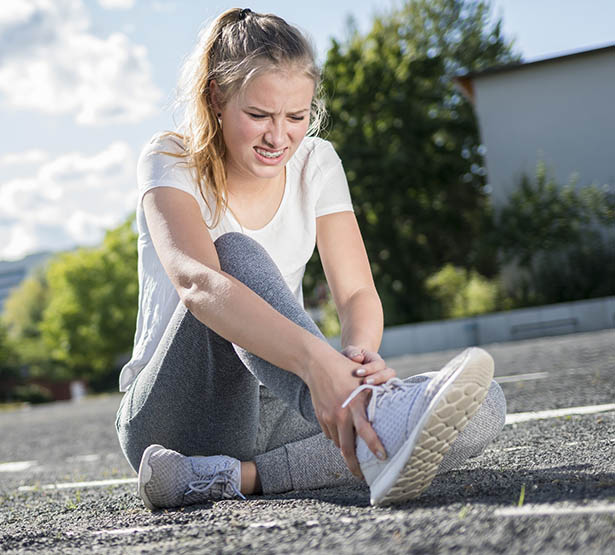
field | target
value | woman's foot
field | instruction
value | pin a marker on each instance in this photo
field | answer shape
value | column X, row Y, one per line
column 417, row 424
column 169, row 479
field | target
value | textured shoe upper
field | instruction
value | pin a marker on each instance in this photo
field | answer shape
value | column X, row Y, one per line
column 394, row 411
column 215, row 478
column 179, row 480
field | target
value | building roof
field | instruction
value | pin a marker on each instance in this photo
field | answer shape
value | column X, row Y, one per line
column 465, row 82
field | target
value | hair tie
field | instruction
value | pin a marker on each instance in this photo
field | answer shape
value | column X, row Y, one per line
column 244, row 13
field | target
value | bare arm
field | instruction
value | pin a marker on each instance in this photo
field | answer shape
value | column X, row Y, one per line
column 349, row 275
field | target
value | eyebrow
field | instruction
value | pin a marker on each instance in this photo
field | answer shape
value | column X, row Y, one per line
column 269, row 113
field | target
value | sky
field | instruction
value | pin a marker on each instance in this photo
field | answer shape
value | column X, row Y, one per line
column 85, row 83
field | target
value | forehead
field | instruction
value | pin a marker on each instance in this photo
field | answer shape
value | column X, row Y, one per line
column 273, row 89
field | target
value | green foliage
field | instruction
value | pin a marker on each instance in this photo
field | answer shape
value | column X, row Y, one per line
column 542, row 216
column 462, row 293
column 90, row 317
column 583, row 269
column 561, row 239
column 330, row 324
column 23, row 313
column 23, row 309
column 32, row 393
column 8, row 355
column 409, row 142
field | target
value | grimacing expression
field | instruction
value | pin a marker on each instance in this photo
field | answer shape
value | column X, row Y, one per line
column 264, row 124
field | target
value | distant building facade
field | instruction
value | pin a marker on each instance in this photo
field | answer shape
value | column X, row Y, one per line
column 558, row 110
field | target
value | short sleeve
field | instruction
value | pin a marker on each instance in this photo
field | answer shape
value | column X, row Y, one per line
column 156, row 168
column 334, row 194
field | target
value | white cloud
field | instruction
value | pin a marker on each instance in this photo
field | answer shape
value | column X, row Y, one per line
column 71, row 200
column 26, row 158
column 164, row 7
column 117, row 4
column 49, row 61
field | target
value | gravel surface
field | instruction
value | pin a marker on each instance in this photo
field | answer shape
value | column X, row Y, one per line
column 560, row 470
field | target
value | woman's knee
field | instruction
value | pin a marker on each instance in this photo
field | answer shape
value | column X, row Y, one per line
column 246, row 259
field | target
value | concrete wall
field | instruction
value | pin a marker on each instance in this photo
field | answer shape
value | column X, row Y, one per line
column 560, row 111
column 556, row 319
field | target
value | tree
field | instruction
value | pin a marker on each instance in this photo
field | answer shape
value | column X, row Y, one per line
column 90, row 318
column 409, row 142
column 23, row 313
column 8, row 356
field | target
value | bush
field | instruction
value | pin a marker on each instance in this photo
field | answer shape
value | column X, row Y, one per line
column 583, row 270
column 558, row 241
column 32, row 393
column 460, row 293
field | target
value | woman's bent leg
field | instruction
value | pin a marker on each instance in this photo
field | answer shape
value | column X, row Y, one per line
column 195, row 396
column 247, row 261
column 292, row 453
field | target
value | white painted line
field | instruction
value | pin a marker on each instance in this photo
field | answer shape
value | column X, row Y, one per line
column 17, row 466
column 136, row 530
column 549, row 510
column 522, row 377
column 281, row 523
column 517, row 417
column 83, row 458
column 92, row 484
column 518, row 448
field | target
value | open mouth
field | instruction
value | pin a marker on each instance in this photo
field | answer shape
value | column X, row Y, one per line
column 270, row 154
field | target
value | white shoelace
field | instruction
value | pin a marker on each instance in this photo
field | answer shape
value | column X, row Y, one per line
column 392, row 386
column 223, row 476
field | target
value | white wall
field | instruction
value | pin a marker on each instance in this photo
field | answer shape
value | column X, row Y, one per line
column 512, row 325
column 561, row 111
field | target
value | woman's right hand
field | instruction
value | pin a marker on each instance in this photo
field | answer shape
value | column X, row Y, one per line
column 330, row 386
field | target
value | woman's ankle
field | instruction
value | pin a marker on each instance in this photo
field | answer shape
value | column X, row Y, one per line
column 250, row 480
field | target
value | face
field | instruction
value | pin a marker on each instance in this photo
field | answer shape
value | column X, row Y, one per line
column 263, row 125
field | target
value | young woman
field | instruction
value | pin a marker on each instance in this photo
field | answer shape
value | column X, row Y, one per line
column 229, row 373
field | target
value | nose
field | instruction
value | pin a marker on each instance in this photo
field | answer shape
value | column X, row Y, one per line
column 276, row 131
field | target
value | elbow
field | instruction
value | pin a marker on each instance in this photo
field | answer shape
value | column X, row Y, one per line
column 200, row 289
column 189, row 295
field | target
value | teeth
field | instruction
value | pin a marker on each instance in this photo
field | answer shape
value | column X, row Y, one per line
column 268, row 154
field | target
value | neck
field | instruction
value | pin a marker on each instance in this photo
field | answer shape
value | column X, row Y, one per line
column 243, row 186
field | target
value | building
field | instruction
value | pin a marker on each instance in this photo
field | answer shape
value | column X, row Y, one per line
column 559, row 110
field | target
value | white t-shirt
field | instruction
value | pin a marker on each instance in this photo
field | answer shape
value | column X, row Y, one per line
column 315, row 186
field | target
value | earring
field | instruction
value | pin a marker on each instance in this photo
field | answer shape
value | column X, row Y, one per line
column 219, row 119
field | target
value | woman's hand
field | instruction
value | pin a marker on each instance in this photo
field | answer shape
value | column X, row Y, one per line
column 373, row 369
column 330, row 386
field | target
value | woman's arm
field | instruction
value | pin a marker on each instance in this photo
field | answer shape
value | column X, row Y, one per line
column 349, row 276
column 188, row 255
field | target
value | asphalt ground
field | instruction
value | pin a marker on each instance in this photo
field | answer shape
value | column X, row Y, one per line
column 546, row 485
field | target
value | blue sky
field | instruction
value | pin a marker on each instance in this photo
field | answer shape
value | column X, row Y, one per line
column 83, row 84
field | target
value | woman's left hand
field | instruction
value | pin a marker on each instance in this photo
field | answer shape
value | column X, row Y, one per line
column 373, row 370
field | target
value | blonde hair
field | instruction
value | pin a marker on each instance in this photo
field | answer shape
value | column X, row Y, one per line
column 237, row 46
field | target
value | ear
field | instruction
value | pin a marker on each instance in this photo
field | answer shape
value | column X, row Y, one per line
column 215, row 95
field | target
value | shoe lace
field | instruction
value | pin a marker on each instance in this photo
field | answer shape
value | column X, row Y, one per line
column 387, row 390
column 204, row 484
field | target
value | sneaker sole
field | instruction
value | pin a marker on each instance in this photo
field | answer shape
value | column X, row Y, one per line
column 414, row 466
column 145, row 475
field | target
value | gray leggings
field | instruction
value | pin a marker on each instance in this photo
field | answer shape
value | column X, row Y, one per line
column 200, row 394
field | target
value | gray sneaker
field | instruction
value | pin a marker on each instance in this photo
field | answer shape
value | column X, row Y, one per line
column 418, row 422
column 169, row 479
